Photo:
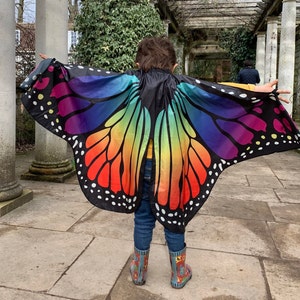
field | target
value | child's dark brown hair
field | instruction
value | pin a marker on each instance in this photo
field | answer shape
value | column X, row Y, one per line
column 155, row 52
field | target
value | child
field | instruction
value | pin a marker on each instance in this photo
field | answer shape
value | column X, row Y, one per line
column 154, row 143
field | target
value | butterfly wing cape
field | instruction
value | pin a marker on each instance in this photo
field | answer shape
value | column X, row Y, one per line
column 197, row 130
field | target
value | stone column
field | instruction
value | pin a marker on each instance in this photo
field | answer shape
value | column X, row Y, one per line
column 10, row 189
column 296, row 100
column 287, row 50
column 51, row 158
column 166, row 24
column 271, row 49
column 260, row 55
column 186, row 64
column 179, row 48
column 180, row 58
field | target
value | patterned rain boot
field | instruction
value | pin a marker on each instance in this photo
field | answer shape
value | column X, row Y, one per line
column 181, row 272
column 139, row 265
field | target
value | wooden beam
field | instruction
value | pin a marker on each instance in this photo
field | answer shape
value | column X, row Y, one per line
column 220, row 13
column 221, row 22
column 269, row 10
column 216, row 2
column 167, row 14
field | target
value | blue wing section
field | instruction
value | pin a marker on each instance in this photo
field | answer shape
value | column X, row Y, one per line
column 74, row 99
column 236, row 123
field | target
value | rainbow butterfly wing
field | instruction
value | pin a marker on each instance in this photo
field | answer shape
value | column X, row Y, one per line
column 114, row 157
column 238, row 124
column 181, row 166
column 75, row 100
column 97, row 112
column 205, row 129
column 198, row 130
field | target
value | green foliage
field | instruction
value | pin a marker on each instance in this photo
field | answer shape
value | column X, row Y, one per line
column 110, row 31
column 240, row 44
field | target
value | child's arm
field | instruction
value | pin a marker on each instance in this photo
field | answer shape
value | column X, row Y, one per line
column 266, row 88
column 43, row 56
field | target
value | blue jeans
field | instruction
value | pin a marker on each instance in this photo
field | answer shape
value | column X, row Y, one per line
column 144, row 220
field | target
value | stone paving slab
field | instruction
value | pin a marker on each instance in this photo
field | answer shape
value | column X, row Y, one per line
column 293, row 183
column 283, row 279
column 243, row 244
column 287, row 239
column 215, row 276
column 57, row 191
column 292, row 175
column 34, row 259
column 47, row 213
column 222, row 206
column 269, row 181
column 99, row 223
column 230, row 178
column 10, row 294
column 236, row 192
column 283, row 161
column 95, row 272
column 288, row 195
column 249, row 237
column 286, row 213
column 253, row 166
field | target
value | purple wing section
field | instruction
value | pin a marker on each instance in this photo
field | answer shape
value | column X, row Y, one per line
column 82, row 99
column 236, row 124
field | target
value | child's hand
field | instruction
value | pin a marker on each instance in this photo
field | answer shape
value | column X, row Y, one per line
column 43, row 56
column 271, row 87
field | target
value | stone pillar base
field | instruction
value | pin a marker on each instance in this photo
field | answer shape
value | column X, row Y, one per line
column 10, row 191
column 7, row 206
column 54, row 172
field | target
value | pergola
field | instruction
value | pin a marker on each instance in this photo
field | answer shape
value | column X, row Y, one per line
column 188, row 16
column 198, row 25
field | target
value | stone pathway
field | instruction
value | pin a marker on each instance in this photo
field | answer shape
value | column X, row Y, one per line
column 244, row 243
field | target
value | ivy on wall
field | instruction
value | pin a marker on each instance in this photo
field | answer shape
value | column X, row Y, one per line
column 110, row 31
column 240, row 44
